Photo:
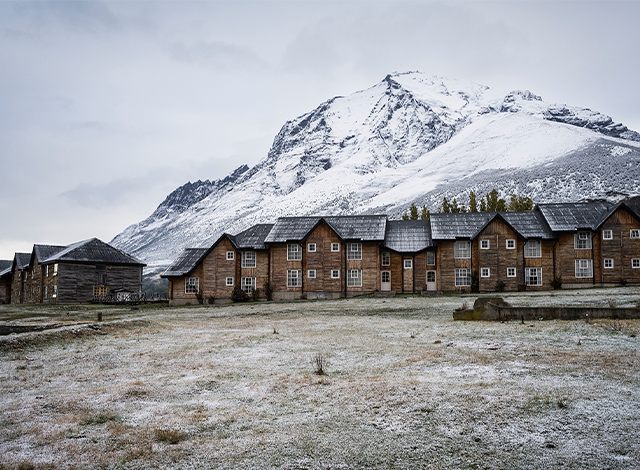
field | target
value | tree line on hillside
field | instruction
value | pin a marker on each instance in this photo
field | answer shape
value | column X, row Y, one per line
column 490, row 202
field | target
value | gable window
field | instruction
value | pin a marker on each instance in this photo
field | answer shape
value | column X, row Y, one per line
column 408, row 264
column 335, row 247
column 248, row 259
column 533, row 276
column 294, row 253
column 635, row 233
column 294, row 278
column 485, row 272
column 462, row 249
column 311, row 247
column 608, row 263
column 386, row 258
column 354, row 278
column 463, row 277
column 230, row 255
column 582, row 241
column 584, row 268
column 311, row 273
column 607, row 234
column 511, row 272
column 533, row 249
column 191, row 285
column 635, row 263
column 354, row 250
column 229, row 281
column 431, row 258
column 484, row 244
column 335, row 274
column 248, row 285
column 511, row 244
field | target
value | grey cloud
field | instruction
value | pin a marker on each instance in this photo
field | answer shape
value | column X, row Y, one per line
column 79, row 16
column 221, row 55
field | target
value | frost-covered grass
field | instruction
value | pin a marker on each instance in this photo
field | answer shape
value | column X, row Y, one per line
column 404, row 387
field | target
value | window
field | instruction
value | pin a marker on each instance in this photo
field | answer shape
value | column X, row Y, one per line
column 463, row 277
column 533, row 276
column 533, row 249
column 462, row 249
column 354, row 277
column 582, row 241
column 635, row 233
column 311, row 247
column 335, row 274
column 584, row 268
column 484, row 244
column 294, row 278
column 191, row 285
column 55, row 269
column 511, row 244
column 230, row 255
column 335, row 247
column 408, row 264
column 311, row 274
column 431, row 276
column 99, row 291
column 248, row 285
column 55, row 292
column 26, row 275
column 485, row 272
column 635, row 263
column 431, row 258
column 608, row 263
column 294, row 253
column 229, row 281
column 46, row 291
column 248, row 259
column 386, row 258
column 386, row 276
column 511, row 272
column 46, row 271
column 354, row 250
column 607, row 234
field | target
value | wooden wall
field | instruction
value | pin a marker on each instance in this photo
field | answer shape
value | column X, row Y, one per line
column 5, row 290
column 622, row 249
column 177, row 287
column 213, row 273
column 323, row 260
column 76, row 281
column 448, row 264
column 566, row 256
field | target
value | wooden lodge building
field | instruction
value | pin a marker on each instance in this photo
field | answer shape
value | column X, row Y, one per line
column 577, row 244
column 69, row 274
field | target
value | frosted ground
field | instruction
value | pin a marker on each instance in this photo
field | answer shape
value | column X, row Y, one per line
column 405, row 387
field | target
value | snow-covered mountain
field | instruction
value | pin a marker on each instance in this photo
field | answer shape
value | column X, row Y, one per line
column 411, row 138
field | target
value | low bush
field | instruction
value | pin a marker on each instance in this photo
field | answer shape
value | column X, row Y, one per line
column 238, row 295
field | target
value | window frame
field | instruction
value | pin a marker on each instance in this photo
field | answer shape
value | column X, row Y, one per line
column 192, row 285
column 460, row 275
column 54, row 295
column 528, row 276
column 584, row 272
column 354, row 278
column 407, row 264
column 247, row 260
column 294, row 281
column 291, row 252
column 530, row 252
column 488, row 272
column 515, row 272
column 510, row 241
column 483, row 243
column 227, row 283
column 231, row 255
column 309, row 245
column 336, row 271
column 635, row 263
column 354, row 254
column 248, row 287
column 459, row 252
column 432, row 255
column 309, row 271
column 582, row 243
column 386, row 258
column 608, row 232
column 634, row 233
column 335, row 247
column 608, row 261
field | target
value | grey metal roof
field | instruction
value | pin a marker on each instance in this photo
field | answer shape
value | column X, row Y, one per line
column 253, row 238
column 408, row 236
column 569, row 217
column 461, row 225
column 529, row 224
column 347, row 227
column 5, row 266
column 186, row 262
column 22, row 260
column 42, row 252
column 93, row 251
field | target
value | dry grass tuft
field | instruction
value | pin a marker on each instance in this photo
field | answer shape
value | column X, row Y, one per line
column 170, row 436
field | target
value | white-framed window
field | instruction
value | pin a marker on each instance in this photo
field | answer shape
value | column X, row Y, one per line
column 635, row 233
column 408, row 264
column 582, row 241
column 55, row 292
column 335, row 247
column 607, row 234
column 335, row 274
column 354, row 278
column 46, row 271
column 248, row 259
column 229, row 281
column 485, row 272
column 511, row 244
column 231, row 255
column 311, row 273
column 294, row 253
column 484, row 244
column 635, row 263
column 533, row 249
column 463, row 277
column 248, row 284
column 26, row 275
column 386, row 258
column 462, row 249
column 608, row 263
column 584, row 268
column 431, row 258
column 354, row 250
column 511, row 272
column 311, row 247
column 46, row 292
column 294, row 278
column 533, row 276
column 191, row 285
column 385, row 276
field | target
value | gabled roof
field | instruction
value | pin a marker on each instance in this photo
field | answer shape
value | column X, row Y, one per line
column 93, row 251
column 573, row 216
column 42, row 252
column 253, row 237
column 528, row 224
column 21, row 260
column 347, row 227
column 408, row 236
column 5, row 267
column 461, row 225
column 186, row 262
column 604, row 217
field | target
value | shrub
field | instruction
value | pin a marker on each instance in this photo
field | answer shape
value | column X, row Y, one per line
column 500, row 285
column 556, row 283
column 238, row 295
column 319, row 362
column 475, row 282
column 170, row 436
column 255, row 294
column 268, row 290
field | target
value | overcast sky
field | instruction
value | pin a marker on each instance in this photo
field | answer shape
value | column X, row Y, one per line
column 106, row 107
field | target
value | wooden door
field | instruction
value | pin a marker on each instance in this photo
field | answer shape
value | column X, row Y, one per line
column 431, row 280
column 385, row 280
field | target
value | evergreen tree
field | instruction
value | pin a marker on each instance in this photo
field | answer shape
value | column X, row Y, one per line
column 405, row 216
column 446, row 207
column 413, row 212
column 425, row 215
column 455, row 209
column 483, row 205
column 473, row 205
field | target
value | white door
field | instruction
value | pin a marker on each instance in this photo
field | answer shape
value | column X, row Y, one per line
column 385, row 280
column 431, row 280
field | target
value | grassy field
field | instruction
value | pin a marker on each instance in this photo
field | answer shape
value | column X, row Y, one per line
column 404, row 387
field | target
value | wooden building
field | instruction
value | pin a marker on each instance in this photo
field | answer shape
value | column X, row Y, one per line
column 19, row 277
column 5, row 281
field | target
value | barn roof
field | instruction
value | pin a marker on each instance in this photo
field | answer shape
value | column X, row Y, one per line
column 93, row 251
column 572, row 216
column 253, row 237
column 186, row 262
column 408, row 236
column 347, row 227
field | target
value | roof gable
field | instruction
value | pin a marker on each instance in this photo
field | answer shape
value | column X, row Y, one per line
column 187, row 261
column 42, row 252
column 93, row 251
column 571, row 217
column 346, row 227
column 21, row 261
column 5, row 267
column 253, row 237
column 613, row 210
column 408, row 236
